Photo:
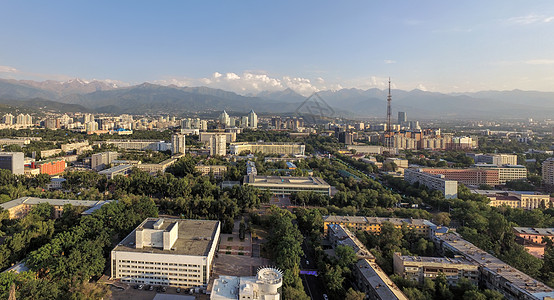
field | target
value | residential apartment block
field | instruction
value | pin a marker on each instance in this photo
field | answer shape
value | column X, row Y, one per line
column 494, row 273
column 268, row 148
column 217, row 170
column 374, row 224
column 417, row 268
column 434, row 182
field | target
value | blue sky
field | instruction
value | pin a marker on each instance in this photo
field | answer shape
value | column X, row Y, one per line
column 248, row 46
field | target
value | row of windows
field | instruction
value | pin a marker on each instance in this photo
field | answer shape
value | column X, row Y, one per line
column 160, row 268
column 122, row 271
column 157, row 263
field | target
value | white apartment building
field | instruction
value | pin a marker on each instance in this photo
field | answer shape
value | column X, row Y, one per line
column 434, row 182
column 167, row 252
column 218, row 145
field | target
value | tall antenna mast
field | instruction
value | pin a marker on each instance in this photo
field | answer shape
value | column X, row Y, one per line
column 388, row 140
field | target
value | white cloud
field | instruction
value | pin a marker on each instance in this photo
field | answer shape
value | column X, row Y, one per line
column 530, row 19
column 389, row 61
column 8, row 69
column 252, row 82
column 540, row 62
column 421, row 87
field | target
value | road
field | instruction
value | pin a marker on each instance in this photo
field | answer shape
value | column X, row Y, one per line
column 313, row 285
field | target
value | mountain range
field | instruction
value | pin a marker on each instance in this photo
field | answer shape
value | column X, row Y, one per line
column 147, row 98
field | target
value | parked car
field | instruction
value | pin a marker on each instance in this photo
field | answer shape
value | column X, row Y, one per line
column 178, row 290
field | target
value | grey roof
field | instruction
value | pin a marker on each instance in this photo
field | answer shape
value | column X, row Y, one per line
column 195, row 237
column 54, row 202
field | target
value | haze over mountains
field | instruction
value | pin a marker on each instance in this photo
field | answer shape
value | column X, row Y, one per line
column 108, row 97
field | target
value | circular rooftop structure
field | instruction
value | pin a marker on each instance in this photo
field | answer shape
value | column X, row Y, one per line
column 269, row 275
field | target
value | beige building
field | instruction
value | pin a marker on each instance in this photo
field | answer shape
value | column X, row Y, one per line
column 155, row 168
column 218, row 170
column 548, row 171
column 268, row 148
column 229, row 136
column 374, row 224
column 527, row 201
column 99, row 161
column 417, row 268
column 218, row 145
column 506, row 172
column 494, row 273
column 167, row 252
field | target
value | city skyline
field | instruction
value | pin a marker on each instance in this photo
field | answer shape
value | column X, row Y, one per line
column 248, row 47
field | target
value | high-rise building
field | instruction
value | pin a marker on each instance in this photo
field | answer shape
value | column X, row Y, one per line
column 402, row 117
column 224, row 119
column 99, row 161
column 218, row 145
column 177, row 143
column 12, row 161
column 252, row 119
column 8, row 119
column 548, row 171
column 91, row 126
column 244, row 121
column 24, row 119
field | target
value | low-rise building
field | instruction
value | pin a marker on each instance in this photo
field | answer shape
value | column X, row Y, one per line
column 155, row 168
column 123, row 170
column 374, row 282
column 494, row 273
column 339, row 235
column 515, row 199
column 20, row 207
column 167, row 252
column 506, row 173
column 286, row 185
column 268, row 148
column 374, row 224
column 434, row 182
column 417, row 268
column 533, row 239
column 217, row 170
column 50, row 167
column 264, row 286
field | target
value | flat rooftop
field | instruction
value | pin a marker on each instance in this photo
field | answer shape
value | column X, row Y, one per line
column 379, row 281
column 376, row 220
column 195, row 237
column 115, row 169
column 53, row 202
column 288, row 180
column 437, row 260
column 536, row 231
column 494, row 265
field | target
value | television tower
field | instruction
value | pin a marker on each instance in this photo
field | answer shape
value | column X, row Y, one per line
column 388, row 143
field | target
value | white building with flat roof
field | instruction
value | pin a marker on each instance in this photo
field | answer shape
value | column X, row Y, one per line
column 434, row 182
column 167, row 252
column 264, row 286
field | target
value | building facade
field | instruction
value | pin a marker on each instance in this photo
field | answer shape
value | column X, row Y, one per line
column 417, row 268
column 434, row 182
column 167, row 252
column 286, row 185
column 12, row 161
column 218, row 145
column 268, row 148
column 99, row 161
column 177, row 144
